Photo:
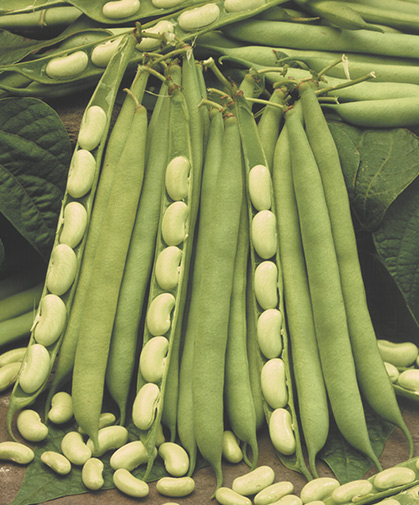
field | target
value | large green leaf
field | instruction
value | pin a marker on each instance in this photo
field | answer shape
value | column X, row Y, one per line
column 35, row 153
column 378, row 165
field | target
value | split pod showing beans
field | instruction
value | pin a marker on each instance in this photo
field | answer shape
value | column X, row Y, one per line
column 62, row 273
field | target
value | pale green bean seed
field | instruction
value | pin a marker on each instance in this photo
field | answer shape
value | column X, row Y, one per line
column 289, row 499
column 199, row 17
column 74, row 224
column 66, row 67
column 175, row 486
column 388, row 501
column 81, row 174
column 110, row 437
column 273, row 492
column 173, row 227
column 409, row 379
column 226, row 496
column 16, row 452
column 130, row 456
column 30, row 426
column 392, row 371
column 266, row 284
column 315, row 502
column 12, row 356
column 61, row 410
column 158, row 317
column 145, row 405
column 150, row 44
column 281, row 432
column 153, row 359
column 75, row 449
column 170, row 503
column 92, row 474
column 168, row 267
column 105, row 419
column 392, row 477
column 231, row 448
column 318, row 489
column 260, row 186
column 120, row 9
column 57, row 462
column 35, row 368
column 177, row 178
column 9, row 374
column 264, row 236
column 269, row 326
column 254, row 481
column 273, row 383
column 51, row 320
column 242, row 5
column 92, row 128
column 353, row 489
column 401, row 354
column 102, row 53
column 62, row 269
column 130, row 485
column 166, row 4
column 176, row 459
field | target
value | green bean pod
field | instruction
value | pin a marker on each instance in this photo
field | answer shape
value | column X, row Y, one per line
column 103, row 97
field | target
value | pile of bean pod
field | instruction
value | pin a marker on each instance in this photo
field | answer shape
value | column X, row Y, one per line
column 231, row 297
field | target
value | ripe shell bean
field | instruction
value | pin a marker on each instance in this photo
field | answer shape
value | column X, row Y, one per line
column 281, row 432
column 8, row 374
column 105, row 419
column 289, row 499
column 231, row 448
column 66, row 67
column 198, row 17
column 57, row 462
column 264, row 236
column 401, row 354
column 392, row 477
column 30, row 426
column 158, row 314
column 120, row 9
column 260, row 184
column 92, row 127
column 153, row 359
column 130, row 485
column 130, row 456
column 274, row 384
column 226, row 496
column 175, row 486
column 254, row 481
column 35, row 368
column 392, row 371
column 16, row 452
column 81, row 173
column 92, row 474
column 102, row 53
column 409, row 379
column 177, row 178
column 110, row 437
column 145, row 405
column 269, row 327
column 173, row 226
column 176, row 459
column 150, row 43
column 266, row 284
column 61, row 410
column 51, row 320
column 242, row 5
column 12, row 356
column 318, row 489
column 273, row 492
column 74, row 223
column 168, row 267
column 347, row 492
column 62, row 270
column 75, row 449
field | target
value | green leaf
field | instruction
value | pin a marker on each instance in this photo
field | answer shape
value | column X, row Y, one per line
column 35, row 153
column 397, row 242
column 345, row 462
column 378, row 165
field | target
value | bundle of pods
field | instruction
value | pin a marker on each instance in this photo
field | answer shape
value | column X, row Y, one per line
column 169, row 277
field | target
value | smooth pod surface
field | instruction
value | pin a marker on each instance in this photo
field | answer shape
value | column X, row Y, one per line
column 120, row 9
column 68, row 66
column 81, row 174
column 166, row 4
column 260, row 187
column 92, row 128
column 242, row 5
column 199, row 17
column 30, row 426
column 145, row 405
column 51, row 320
column 74, row 224
column 35, row 368
column 62, row 270
column 254, row 481
column 266, row 284
column 269, row 326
